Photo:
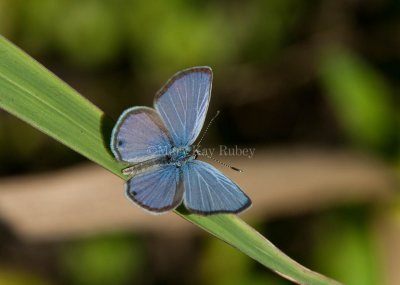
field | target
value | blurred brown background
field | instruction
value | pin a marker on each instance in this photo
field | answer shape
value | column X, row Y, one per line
column 312, row 85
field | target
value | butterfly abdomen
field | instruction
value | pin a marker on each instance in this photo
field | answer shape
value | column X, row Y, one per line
column 147, row 165
column 178, row 156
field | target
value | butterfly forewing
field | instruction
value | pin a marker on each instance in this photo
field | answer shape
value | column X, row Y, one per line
column 183, row 103
column 208, row 191
column 140, row 135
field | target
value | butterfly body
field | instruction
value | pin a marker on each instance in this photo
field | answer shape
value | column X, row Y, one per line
column 144, row 166
column 159, row 146
column 180, row 155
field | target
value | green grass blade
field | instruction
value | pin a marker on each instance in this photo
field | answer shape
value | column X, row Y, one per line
column 38, row 97
column 32, row 93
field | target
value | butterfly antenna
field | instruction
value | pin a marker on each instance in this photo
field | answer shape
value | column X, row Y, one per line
column 205, row 131
column 223, row 163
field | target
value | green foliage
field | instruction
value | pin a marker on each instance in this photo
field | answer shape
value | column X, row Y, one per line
column 7, row 18
column 109, row 259
column 361, row 99
column 266, row 26
column 347, row 249
column 19, row 277
column 88, row 32
column 35, row 25
column 223, row 265
column 173, row 34
column 33, row 94
column 178, row 34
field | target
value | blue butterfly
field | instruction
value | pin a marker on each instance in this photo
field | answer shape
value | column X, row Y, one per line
column 158, row 145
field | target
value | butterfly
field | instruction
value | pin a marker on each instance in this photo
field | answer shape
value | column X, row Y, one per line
column 158, row 145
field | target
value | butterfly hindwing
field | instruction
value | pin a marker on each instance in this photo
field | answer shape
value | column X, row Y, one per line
column 157, row 190
column 183, row 103
column 140, row 135
column 208, row 191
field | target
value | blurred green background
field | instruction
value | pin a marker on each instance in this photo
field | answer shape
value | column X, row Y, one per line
column 286, row 73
